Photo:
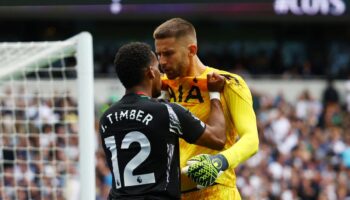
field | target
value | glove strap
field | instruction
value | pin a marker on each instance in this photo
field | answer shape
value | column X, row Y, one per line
column 220, row 162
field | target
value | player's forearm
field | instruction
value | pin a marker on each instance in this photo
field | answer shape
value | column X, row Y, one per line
column 245, row 148
column 216, row 122
column 248, row 143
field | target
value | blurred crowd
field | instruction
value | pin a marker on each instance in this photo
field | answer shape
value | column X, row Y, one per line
column 304, row 148
column 38, row 146
column 260, row 59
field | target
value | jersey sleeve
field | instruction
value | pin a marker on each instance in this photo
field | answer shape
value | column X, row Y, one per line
column 189, row 128
column 240, row 105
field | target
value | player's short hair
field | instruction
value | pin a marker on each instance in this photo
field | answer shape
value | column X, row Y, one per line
column 175, row 27
column 131, row 61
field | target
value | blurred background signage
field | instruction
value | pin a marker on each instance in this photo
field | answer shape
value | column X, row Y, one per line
column 236, row 10
column 310, row 7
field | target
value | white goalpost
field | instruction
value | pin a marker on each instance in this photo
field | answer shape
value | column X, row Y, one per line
column 47, row 126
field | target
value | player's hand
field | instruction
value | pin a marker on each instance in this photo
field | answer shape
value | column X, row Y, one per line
column 204, row 169
column 215, row 82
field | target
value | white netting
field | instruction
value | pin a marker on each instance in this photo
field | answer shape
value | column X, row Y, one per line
column 15, row 56
column 39, row 151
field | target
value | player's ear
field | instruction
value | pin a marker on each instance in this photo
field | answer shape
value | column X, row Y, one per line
column 192, row 48
column 150, row 73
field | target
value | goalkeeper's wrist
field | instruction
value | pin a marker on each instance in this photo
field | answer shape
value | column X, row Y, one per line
column 214, row 95
column 220, row 161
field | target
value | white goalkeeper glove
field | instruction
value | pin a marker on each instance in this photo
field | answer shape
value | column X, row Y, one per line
column 204, row 169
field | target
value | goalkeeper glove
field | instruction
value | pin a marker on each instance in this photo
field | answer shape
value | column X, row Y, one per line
column 204, row 169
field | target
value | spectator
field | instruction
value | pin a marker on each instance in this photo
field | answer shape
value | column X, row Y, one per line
column 330, row 94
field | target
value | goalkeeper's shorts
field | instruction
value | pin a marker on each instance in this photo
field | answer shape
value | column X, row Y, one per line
column 214, row 192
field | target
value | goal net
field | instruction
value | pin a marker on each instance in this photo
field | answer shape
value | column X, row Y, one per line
column 47, row 120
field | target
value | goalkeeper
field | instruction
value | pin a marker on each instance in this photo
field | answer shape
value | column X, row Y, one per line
column 176, row 47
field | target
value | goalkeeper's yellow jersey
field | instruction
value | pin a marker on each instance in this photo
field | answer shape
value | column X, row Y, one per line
column 192, row 92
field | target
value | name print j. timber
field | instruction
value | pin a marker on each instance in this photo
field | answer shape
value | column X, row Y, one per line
column 133, row 114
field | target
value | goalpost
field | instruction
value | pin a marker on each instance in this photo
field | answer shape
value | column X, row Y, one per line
column 47, row 127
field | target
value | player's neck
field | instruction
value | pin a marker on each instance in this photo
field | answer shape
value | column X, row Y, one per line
column 196, row 67
column 140, row 90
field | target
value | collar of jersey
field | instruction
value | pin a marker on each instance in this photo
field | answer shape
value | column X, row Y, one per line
column 142, row 95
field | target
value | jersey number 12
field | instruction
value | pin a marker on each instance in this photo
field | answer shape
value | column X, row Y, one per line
column 129, row 178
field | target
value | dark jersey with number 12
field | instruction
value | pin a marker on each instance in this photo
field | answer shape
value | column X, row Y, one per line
column 140, row 139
